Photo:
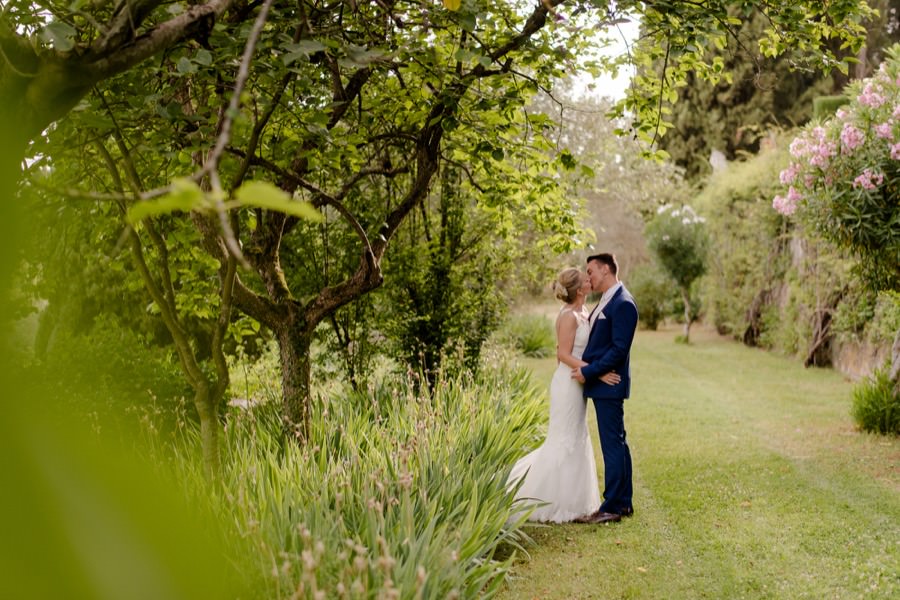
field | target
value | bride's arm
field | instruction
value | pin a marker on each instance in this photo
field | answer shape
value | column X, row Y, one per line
column 566, row 324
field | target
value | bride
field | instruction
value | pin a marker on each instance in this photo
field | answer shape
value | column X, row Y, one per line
column 562, row 473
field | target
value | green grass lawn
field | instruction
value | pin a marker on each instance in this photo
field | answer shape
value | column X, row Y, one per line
column 750, row 482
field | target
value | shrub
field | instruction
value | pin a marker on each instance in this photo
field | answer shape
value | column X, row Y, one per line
column 531, row 335
column 402, row 493
column 825, row 106
column 876, row 404
column 748, row 255
column 653, row 292
column 110, row 371
column 842, row 180
column 866, row 316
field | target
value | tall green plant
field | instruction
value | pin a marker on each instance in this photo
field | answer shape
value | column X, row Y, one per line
column 397, row 494
column 876, row 404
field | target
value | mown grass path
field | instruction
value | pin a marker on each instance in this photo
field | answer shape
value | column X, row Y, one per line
column 750, row 482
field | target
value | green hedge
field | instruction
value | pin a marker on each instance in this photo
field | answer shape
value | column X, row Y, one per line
column 768, row 281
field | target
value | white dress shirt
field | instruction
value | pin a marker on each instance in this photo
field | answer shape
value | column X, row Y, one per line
column 604, row 300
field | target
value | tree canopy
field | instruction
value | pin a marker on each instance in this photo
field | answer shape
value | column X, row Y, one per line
column 297, row 139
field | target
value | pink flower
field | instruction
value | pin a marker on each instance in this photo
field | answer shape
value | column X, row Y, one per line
column 842, row 114
column 788, row 175
column 868, row 180
column 793, row 195
column 822, row 153
column 851, row 138
column 895, row 151
column 896, row 113
column 885, row 130
column 870, row 97
column 784, row 205
column 799, row 147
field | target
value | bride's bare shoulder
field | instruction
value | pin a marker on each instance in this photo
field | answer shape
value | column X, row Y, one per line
column 567, row 316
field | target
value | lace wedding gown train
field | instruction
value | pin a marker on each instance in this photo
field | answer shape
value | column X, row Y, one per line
column 562, row 472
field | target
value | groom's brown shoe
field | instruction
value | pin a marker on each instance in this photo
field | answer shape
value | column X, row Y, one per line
column 585, row 518
column 599, row 517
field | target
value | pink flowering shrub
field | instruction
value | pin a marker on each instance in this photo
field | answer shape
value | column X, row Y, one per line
column 844, row 174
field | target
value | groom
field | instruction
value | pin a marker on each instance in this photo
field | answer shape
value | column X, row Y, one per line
column 613, row 323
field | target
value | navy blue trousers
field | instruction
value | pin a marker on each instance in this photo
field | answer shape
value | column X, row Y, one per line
column 616, row 455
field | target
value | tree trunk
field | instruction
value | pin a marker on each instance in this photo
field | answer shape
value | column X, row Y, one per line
column 294, row 344
column 11, row 214
column 895, row 362
column 686, row 298
column 208, row 409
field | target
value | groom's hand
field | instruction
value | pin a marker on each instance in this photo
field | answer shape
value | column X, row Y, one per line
column 576, row 374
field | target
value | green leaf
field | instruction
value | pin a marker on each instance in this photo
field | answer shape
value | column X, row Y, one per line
column 263, row 194
column 567, row 160
column 60, row 35
column 302, row 49
column 361, row 56
column 467, row 21
column 204, row 57
column 185, row 66
column 185, row 196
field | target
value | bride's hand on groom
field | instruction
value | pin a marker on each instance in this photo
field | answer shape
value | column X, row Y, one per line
column 611, row 378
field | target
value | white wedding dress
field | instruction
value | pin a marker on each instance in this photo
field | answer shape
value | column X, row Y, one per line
column 562, row 472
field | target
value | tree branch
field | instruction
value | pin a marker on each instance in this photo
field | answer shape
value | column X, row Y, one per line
column 107, row 60
column 127, row 18
column 211, row 166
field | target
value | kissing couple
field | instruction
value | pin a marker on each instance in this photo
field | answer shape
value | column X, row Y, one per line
column 593, row 349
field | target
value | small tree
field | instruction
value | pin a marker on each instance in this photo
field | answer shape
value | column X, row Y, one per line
column 678, row 239
column 844, row 181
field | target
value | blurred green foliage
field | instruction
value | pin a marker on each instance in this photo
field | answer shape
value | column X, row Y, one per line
column 85, row 515
column 825, row 106
column 530, row 335
column 748, row 252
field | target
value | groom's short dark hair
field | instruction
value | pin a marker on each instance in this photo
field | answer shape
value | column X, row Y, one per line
column 606, row 259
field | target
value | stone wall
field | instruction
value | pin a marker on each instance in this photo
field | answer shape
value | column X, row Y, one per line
column 858, row 359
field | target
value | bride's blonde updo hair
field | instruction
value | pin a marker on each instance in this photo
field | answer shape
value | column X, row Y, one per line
column 567, row 283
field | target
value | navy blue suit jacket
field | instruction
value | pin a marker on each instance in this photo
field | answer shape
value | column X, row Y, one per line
column 609, row 347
